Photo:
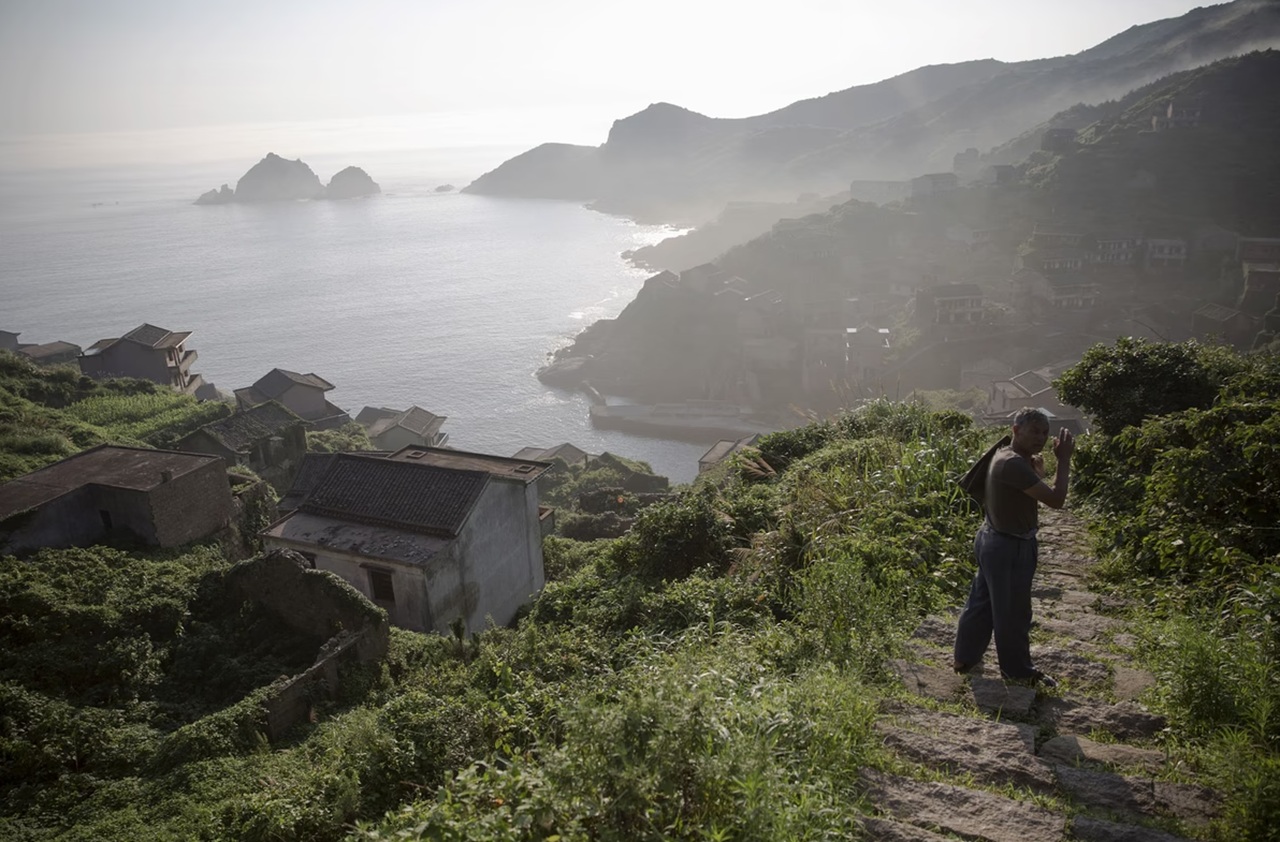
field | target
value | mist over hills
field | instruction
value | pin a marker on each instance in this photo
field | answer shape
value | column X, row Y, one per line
column 668, row 162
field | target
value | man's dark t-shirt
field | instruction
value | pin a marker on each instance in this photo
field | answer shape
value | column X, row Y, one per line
column 1009, row 508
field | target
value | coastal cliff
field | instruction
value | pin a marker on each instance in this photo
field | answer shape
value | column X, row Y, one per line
column 549, row 171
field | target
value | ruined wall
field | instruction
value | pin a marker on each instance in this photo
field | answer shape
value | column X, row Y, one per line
column 315, row 603
column 192, row 506
column 69, row 521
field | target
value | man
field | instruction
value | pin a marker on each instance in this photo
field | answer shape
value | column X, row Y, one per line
column 1005, row 546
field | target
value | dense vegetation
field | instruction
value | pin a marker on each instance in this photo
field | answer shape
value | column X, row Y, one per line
column 712, row 674
column 47, row 414
column 1186, row 491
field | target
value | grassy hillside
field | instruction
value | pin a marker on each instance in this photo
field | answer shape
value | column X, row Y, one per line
column 713, row 674
column 47, row 414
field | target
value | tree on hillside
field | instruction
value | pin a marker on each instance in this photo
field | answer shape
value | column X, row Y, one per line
column 1123, row 384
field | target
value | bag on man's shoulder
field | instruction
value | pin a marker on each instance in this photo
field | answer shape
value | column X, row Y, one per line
column 974, row 482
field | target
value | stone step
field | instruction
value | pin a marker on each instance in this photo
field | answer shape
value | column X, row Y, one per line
column 888, row 830
column 1125, row 720
column 939, row 683
column 995, row 697
column 1140, row 796
column 970, row 813
column 1075, row 750
column 996, row 761
column 1087, row 829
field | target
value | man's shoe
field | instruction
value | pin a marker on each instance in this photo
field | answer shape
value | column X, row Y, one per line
column 1036, row 679
column 963, row 668
column 1045, row 681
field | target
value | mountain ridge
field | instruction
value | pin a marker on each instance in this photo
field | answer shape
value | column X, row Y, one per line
column 669, row 162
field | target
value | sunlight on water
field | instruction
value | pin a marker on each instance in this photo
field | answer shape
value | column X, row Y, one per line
column 448, row 301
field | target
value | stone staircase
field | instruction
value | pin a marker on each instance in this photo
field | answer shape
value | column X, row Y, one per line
column 1013, row 765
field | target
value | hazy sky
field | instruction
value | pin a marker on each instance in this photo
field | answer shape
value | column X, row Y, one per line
column 127, row 65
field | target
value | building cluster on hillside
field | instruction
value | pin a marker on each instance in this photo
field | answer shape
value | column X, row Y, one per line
column 434, row 536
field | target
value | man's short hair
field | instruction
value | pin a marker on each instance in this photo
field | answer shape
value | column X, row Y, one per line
column 1029, row 415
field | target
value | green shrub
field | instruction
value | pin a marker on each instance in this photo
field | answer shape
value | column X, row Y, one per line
column 671, row 540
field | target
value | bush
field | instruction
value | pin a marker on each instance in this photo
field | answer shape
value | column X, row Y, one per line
column 1123, row 384
column 671, row 540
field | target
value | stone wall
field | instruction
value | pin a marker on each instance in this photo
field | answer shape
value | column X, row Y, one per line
column 316, row 603
column 192, row 506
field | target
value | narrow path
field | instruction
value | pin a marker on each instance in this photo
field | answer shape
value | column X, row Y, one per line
column 1081, row 762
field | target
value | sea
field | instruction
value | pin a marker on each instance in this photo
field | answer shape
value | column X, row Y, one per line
column 445, row 300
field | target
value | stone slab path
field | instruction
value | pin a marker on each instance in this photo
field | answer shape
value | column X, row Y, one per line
column 1010, row 764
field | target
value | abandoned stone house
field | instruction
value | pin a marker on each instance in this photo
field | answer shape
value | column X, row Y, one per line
column 264, row 437
column 51, row 353
column 302, row 394
column 392, row 429
column 433, row 536
column 157, row 498
column 148, row 353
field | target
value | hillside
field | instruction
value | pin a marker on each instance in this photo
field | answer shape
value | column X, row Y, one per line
column 47, row 414
column 1222, row 168
column 670, row 163
column 765, row 656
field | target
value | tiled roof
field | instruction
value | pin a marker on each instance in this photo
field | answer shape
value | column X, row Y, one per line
column 134, row 468
column 49, row 349
column 241, row 431
column 100, row 345
column 155, row 337
column 370, row 414
column 566, row 451
column 525, row 470
column 418, row 420
column 403, row 495
column 277, row 381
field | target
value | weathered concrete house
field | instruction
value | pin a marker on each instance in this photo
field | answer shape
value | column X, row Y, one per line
column 1050, row 260
column 154, row 497
column 1056, row 235
column 1226, row 323
column 148, row 353
column 1054, row 294
column 9, row 341
column 1166, row 254
column 51, row 353
column 1258, row 250
column 933, row 183
column 302, row 394
column 949, row 304
column 433, row 536
column 1261, row 285
column 1116, row 248
column 392, row 429
column 266, row 436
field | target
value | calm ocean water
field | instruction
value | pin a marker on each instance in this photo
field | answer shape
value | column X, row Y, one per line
column 447, row 301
